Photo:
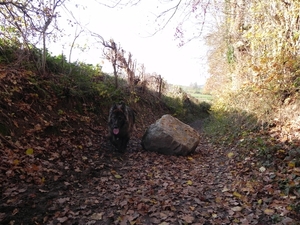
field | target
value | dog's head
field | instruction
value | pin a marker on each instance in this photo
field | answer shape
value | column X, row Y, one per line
column 117, row 117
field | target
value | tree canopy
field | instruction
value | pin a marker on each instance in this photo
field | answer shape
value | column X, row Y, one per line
column 254, row 54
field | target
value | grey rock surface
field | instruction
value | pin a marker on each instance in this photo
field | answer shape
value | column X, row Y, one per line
column 170, row 136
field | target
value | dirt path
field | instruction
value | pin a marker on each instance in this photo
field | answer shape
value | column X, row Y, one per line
column 89, row 184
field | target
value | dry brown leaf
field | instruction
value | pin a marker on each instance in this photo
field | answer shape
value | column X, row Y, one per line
column 236, row 194
column 237, row 209
column 269, row 211
column 62, row 219
column 97, row 216
column 188, row 218
column 63, row 200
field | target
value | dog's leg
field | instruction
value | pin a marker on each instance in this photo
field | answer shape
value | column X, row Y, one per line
column 123, row 144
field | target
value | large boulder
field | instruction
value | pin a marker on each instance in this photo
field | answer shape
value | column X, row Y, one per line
column 170, row 136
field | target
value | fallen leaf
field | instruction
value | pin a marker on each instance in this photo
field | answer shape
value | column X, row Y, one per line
column 15, row 123
column 22, row 190
column 262, row 169
column 163, row 216
column 188, row 218
column 118, row 176
column 37, row 127
column 225, row 189
column 269, row 211
column 16, row 162
column 29, row 151
column 15, row 211
column 62, row 219
column 63, row 200
column 287, row 221
column 236, row 209
column 291, row 165
column 214, row 215
column 123, row 203
column 230, row 154
column 78, row 170
column 189, row 182
column 218, row 200
column 97, row 216
column 236, row 194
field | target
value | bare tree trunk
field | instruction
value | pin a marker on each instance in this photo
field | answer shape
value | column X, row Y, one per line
column 112, row 55
column 44, row 56
column 159, row 86
column 73, row 43
column 114, row 64
column 49, row 16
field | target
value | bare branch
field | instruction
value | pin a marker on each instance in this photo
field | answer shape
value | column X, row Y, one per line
column 73, row 42
column 110, row 6
column 119, row 3
column 175, row 8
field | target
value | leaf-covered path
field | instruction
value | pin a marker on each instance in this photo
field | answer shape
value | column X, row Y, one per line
column 56, row 167
column 79, row 180
column 97, row 186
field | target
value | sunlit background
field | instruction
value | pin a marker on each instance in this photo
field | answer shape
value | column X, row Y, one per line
column 134, row 29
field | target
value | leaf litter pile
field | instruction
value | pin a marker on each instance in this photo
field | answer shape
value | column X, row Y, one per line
column 74, row 177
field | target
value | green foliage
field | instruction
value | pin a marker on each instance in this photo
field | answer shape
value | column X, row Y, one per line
column 230, row 54
column 83, row 81
column 67, row 80
column 227, row 125
column 14, row 52
column 8, row 49
column 175, row 104
column 57, row 64
column 203, row 107
column 254, row 59
column 187, row 109
column 197, row 93
column 64, row 79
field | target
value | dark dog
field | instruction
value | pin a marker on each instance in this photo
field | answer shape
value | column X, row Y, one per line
column 120, row 125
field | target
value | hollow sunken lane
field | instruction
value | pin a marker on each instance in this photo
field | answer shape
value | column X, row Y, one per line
column 147, row 188
column 90, row 184
column 174, row 190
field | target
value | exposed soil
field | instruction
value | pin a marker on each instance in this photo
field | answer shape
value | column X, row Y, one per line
column 63, row 171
